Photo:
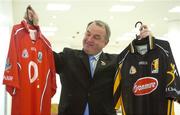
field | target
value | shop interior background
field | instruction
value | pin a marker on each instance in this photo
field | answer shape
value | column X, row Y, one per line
column 63, row 22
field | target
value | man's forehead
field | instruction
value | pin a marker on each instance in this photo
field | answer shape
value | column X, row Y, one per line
column 96, row 31
column 94, row 24
column 95, row 27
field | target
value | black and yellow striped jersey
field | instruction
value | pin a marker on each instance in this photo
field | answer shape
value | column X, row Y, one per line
column 147, row 81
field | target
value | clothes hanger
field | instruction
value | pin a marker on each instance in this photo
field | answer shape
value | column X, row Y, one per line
column 138, row 24
column 138, row 40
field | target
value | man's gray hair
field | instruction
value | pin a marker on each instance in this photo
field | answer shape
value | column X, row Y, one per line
column 102, row 24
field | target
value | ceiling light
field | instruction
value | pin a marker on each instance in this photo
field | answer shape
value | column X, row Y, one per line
column 48, row 34
column 173, row 33
column 152, row 25
column 49, row 29
column 175, row 9
column 127, row 36
column 111, row 17
column 3, row 18
column 165, row 19
column 54, row 17
column 121, row 8
column 132, row 0
column 51, row 24
column 58, row 7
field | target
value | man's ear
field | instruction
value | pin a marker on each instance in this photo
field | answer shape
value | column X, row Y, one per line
column 107, row 41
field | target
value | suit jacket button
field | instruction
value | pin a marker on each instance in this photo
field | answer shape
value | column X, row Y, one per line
column 89, row 94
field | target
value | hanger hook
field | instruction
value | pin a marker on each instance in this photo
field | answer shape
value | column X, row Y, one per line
column 136, row 25
column 138, row 22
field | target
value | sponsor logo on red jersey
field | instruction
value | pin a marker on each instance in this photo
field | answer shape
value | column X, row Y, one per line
column 25, row 53
column 144, row 86
column 8, row 65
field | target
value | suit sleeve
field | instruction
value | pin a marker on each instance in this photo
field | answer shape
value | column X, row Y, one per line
column 60, row 60
column 57, row 61
column 11, row 79
column 166, row 45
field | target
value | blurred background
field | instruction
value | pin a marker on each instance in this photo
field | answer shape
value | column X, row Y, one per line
column 63, row 22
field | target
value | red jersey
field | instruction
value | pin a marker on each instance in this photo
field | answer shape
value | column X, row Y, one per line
column 30, row 72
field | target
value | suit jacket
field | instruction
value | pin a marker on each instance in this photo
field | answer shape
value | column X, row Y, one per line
column 78, row 86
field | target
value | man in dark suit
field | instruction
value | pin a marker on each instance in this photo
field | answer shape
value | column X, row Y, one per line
column 84, row 92
column 80, row 89
column 87, row 75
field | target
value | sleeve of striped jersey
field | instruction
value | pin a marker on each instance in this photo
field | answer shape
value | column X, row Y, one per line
column 116, row 89
column 171, row 57
column 173, row 78
column 11, row 68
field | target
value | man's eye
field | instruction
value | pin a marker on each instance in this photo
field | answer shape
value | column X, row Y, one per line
column 97, row 37
column 88, row 34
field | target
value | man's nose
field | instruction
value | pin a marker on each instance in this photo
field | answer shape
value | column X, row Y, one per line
column 89, row 38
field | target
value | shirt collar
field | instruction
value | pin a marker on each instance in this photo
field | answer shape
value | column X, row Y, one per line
column 96, row 56
column 28, row 27
column 149, row 41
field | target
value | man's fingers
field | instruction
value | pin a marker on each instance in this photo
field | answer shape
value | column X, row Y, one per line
column 31, row 9
column 145, row 34
column 144, row 31
column 31, row 15
column 143, row 27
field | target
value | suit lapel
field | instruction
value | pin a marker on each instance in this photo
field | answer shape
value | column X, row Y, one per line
column 84, row 59
column 101, row 64
column 85, row 77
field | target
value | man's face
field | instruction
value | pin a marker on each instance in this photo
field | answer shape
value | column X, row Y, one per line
column 94, row 40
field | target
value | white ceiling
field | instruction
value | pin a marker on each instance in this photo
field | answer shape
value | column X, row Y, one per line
column 69, row 26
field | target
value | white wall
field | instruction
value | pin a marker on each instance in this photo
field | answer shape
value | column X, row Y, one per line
column 5, row 23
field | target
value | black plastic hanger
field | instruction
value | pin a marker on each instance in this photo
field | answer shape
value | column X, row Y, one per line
column 136, row 24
